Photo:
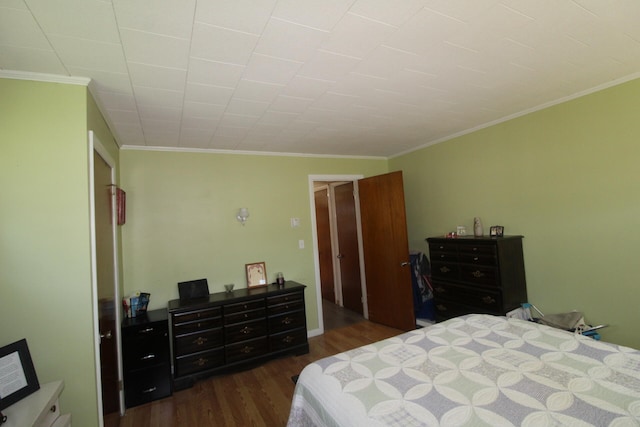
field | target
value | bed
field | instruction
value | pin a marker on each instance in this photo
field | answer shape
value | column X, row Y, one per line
column 474, row 370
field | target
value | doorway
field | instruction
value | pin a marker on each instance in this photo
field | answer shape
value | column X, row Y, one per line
column 104, row 256
column 382, row 246
column 339, row 259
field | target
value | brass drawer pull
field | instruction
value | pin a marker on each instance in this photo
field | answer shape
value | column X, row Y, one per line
column 445, row 269
column 200, row 341
column 149, row 390
column 246, row 330
column 201, row 362
column 287, row 320
column 287, row 339
column 475, row 258
column 145, row 331
column 440, row 290
column 488, row 300
column 246, row 350
column 148, row 357
column 477, row 274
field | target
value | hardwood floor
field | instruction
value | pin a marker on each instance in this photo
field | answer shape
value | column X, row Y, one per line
column 256, row 397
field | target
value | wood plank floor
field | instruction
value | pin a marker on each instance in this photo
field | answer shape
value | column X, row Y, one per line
column 256, row 397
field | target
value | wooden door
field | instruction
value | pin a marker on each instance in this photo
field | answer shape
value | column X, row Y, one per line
column 348, row 252
column 325, row 258
column 386, row 251
column 105, row 272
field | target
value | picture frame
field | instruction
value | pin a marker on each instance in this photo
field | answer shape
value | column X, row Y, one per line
column 19, row 378
column 496, row 231
column 256, row 275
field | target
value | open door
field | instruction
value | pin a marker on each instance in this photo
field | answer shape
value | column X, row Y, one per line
column 105, row 283
column 386, row 251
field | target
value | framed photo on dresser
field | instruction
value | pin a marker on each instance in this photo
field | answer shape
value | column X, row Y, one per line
column 256, row 275
column 18, row 377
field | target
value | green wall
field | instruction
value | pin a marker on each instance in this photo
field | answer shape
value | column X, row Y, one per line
column 181, row 223
column 45, row 265
column 567, row 178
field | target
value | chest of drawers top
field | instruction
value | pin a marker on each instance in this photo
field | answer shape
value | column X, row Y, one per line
column 234, row 301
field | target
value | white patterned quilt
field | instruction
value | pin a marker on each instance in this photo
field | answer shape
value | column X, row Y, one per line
column 475, row 370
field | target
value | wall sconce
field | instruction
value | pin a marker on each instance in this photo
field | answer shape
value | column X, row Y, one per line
column 243, row 214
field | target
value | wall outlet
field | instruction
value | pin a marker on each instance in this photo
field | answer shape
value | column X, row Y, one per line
column 301, row 244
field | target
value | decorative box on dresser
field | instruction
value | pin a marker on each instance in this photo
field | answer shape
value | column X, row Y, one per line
column 146, row 358
column 232, row 330
column 477, row 275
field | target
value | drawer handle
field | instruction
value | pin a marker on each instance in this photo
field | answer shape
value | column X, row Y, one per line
column 475, row 258
column 287, row 320
column 440, row 289
column 478, row 274
column 201, row 362
column 246, row 350
column 145, row 331
column 148, row 356
column 200, row 341
column 441, row 307
column 475, row 249
column 488, row 300
column 445, row 269
column 149, row 390
column 246, row 330
column 287, row 339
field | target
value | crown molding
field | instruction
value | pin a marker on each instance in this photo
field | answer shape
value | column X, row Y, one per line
column 43, row 77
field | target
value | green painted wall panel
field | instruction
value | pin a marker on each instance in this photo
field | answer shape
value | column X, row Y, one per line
column 45, row 276
column 566, row 178
column 181, row 223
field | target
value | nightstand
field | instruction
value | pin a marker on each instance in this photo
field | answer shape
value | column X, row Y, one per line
column 146, row 358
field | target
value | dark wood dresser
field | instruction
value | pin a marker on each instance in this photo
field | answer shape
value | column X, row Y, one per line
column 477, row 275
column 227, row 331
column 146, row 360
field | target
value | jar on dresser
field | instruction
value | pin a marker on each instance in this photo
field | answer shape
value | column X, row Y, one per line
column 477, row 275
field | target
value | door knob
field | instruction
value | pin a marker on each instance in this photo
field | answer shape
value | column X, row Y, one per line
column 106, row 335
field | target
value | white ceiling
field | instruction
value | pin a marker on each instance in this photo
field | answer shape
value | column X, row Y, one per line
column 339, row 77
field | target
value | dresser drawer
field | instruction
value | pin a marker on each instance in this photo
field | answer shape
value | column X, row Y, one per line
column 198, row 341
column 450, row 246
column 445, row 271
column 286, row 321
column 147, row 385
column 245, row 331
column 284, row 299
column 287, row 339
column 245, row 316
column 479, row 275
column 477, row 249
column 243, row 306
column 185, row 365
column 190, row 316
column 247, row 349
column 145, row 352
column 480, row 300
column 293, row 305
column 145, row 331
column 478, row 259
column 197, row 325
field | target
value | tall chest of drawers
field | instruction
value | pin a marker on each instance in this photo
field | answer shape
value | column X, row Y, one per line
column 477, row 275
column 227, row 331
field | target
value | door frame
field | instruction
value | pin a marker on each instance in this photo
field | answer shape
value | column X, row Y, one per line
column 96, row 146
column 314, row 232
